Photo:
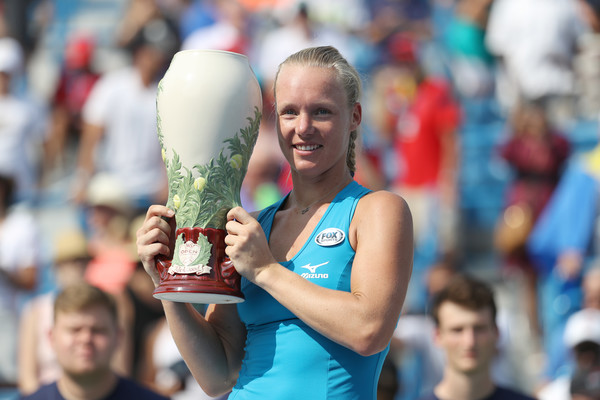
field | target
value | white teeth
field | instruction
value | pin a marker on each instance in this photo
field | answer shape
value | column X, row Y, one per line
column 307, row 147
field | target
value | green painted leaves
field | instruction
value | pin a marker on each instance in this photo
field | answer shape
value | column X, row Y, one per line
column 201, row 197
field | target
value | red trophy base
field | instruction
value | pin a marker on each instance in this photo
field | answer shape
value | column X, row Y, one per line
column 219, row 285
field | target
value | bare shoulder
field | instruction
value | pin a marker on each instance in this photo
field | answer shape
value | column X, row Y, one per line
column 382, row 203
column 382, row 212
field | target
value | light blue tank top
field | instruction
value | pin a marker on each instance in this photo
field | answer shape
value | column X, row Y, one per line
column 285, row 358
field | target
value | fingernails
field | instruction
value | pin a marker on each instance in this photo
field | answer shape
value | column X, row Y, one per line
column 170, row 213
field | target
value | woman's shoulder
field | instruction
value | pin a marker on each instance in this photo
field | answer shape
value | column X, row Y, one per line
column 382, row 198
column 384, row 206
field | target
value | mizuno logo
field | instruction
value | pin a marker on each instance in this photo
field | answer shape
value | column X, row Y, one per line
column 313, row 268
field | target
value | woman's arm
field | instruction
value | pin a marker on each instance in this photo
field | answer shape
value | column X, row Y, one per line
column 212, row 346
column 362, row 319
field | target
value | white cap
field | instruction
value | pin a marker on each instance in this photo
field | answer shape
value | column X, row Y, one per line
column 11, row 55
column 583, row 326
column 106, row 190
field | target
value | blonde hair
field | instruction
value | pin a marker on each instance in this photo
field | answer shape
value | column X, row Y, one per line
column 83, row 296
column 330, row 57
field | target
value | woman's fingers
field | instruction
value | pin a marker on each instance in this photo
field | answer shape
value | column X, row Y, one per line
column 149, row 252
column 159, row 233
column 157, row 217
column 160, row 211
column 154, row 238
column 240, row 215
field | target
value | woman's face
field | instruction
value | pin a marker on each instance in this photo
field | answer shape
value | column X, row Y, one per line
column 313, row 119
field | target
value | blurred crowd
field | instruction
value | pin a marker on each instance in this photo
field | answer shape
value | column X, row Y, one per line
column 482, row 114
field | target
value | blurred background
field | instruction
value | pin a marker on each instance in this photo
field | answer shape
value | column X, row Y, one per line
column 482, row 114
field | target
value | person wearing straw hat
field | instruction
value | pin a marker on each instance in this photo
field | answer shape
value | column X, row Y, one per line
column 36, row 359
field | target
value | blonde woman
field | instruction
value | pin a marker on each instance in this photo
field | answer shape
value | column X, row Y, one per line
column 325, row 270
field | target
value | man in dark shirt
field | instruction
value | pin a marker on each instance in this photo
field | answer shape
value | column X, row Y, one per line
column 84, row 336
column 465, row 316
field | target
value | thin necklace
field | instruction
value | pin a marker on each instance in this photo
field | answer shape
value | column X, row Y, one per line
column 307, row 208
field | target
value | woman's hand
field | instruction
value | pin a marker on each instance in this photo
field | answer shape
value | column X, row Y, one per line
column 154, row 238
column 247, row 245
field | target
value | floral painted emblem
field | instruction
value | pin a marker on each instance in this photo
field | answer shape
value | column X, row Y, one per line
column 190, row 257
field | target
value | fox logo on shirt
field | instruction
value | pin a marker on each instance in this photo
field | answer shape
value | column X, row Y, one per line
column 330, row 237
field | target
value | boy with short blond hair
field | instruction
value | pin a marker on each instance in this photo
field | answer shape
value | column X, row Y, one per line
column 85, row 336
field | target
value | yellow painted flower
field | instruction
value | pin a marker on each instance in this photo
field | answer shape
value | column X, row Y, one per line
column 163, row 153
column 236, row 161
column 199, row 183
column 176, row 201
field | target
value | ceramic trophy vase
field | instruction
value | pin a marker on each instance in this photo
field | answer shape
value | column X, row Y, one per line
column 208, row 115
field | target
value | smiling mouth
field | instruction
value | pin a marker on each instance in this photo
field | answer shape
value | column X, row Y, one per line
column 307, row 147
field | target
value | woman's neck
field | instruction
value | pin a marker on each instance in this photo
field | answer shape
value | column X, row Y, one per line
column 308, row 195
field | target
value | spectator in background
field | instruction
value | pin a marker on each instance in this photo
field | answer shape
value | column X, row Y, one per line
column 19, row 261
column 77, row 77
column 22, row 127
column 138, row 14
column 295, row 31
column 422, row 361
column 561, row 245
column 418, row 117
column 109, row 215
column 113, row 260
column 391, row 16
column 195, row 15
column 346, row 16
column 584, row 385
column 561, row 359
column 587, row 61
column 471, row 63
column 582, row 339
column 591, row 287
column 164, row 369
column 120, row 119
column 84, row 336
column 535, row 42
column 537, row 154
column 228, row 32
column 465, row 317
column 37, row 362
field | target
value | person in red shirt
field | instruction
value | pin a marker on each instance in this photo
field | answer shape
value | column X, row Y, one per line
column 419, row 120
column 77, row 78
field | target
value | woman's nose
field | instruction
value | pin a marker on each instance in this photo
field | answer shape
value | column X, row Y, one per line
column 304, row 123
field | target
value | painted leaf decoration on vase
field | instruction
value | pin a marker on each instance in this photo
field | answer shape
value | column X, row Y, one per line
column 202, row 197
